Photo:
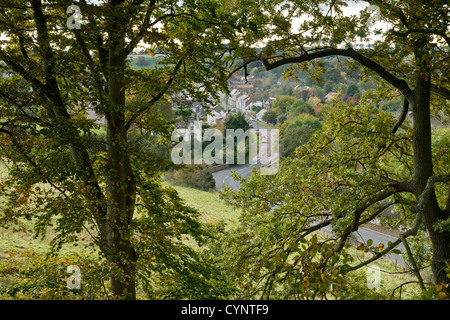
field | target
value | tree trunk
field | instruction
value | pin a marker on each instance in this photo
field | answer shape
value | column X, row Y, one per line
column 120, row 182
column 423, row 169
column 120, row 211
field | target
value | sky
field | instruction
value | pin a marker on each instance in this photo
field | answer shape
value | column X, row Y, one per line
column 353, row 8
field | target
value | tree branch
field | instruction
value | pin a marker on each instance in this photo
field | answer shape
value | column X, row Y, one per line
column 423, row 199
column 404, row 34
column 243, row 66
column 102, row 52
column 357, row 215
column 27, row 75
column 21, row 150
column 145, row 25
column 414, row 264
column 429, row 189
column 443, row 92
column 156, row 98
column 402, row 117
column 411, row 232
column 376, row 213
column 398, row 83
column 98, row 81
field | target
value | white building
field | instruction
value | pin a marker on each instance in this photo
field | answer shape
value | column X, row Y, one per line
column 212, row 119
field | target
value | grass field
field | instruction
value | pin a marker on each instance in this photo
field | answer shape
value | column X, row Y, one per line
column 209, row 205
column 212, row 210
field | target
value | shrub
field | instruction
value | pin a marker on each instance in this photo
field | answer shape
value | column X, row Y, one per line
column 196, row 177
column 30, row 275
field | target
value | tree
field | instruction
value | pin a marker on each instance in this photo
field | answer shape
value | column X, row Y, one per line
column 270, row 116
column 333, row 75
column 410, row 58
column 257, row 109
column 282, row 102
column 199, row 177
column 329, row 86
column 300, row 107
column 297, row 133
column 352, row 90
column 111, row 187
column 392, row 105
column 237, row 121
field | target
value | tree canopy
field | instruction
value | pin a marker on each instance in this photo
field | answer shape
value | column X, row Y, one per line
column 237, row 121
column 73, row 173
column 58, row 74
column 363, row 161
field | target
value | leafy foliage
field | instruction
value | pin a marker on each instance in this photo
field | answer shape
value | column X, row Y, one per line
column 363, row 161
column 297, row 133
column 72, row 173
column 30, row 275
column 270, row 116
column 326, row 183
column 199, row 177
column 237, row 121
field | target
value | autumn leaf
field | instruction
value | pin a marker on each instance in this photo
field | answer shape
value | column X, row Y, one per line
column 442, row 295
column 361, row 246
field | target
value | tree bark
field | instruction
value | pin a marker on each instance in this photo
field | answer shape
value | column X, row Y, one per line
column 423, row 170
column 120, row 182
column 120, row 210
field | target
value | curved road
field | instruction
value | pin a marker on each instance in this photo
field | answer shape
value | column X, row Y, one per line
column 224, row 177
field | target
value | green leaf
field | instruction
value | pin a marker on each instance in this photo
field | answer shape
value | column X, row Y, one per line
column 369, row 242
column 335, row 259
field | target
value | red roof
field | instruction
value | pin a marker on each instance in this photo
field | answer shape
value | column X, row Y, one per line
column 244, row 86
column 316, row 108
